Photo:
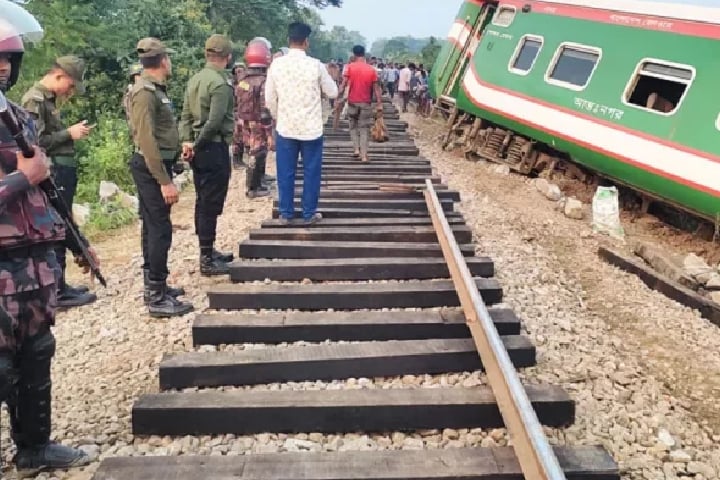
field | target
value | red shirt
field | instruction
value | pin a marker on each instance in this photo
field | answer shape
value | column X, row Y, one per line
column 361, row 78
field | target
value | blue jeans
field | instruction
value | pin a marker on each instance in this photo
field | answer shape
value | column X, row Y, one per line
column 287, row 152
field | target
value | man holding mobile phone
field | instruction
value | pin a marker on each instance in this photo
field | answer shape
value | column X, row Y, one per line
column 63, row 80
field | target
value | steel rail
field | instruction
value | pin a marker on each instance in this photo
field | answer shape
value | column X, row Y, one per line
column 536, row 457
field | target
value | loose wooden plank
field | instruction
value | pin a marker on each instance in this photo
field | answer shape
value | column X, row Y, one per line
column 367, row 213
column 452, row 195
column 329, row 269
column 374, row 177
column 370, row 168
column 422, row 294
column 326, row 411
column 463, row 234
column 363, row 185
column 497, row 463
column 306, row 250
column 708, row 309
column 366, row 222
column 332, row 362
column 372, row 204
column 272, row 328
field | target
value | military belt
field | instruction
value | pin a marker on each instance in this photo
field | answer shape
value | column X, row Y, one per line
column 38, row 251
column 64, row 160
column 165, row 154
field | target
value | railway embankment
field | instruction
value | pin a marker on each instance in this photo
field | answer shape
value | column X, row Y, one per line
column 645, row 369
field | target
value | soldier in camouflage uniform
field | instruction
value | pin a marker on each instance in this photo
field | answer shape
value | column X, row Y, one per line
column 29, row 271
column 238, row 148
column 64, row 78
column 253, row 121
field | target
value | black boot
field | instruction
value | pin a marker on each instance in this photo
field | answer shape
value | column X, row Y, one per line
column 30, row 413
column 210, row 266
column 173, row 292
column 223, row 257
column 259, row 193
column 68, row 297
column 161, row 304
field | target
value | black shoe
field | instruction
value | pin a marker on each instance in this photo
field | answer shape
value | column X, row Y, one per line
column 210, row 266
column 69, row 298
column 53, row 456
column 77, row 290
column 259, row 193
column 162, row 305
column 223, row 257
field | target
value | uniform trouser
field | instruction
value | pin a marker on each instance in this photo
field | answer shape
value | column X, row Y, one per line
column 144, row 231
column 26, row 349
column 211, row 174
column 361, row 119
column 255, row 171
column 66, row 180
column 286, row 156
column 156, row 236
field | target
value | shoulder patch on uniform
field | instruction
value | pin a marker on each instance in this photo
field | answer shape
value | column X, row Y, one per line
column 32, row 100
column 244, row 85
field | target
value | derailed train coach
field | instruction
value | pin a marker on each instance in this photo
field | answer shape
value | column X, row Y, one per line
column 623, row 88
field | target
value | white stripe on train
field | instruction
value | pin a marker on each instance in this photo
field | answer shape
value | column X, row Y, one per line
column 694, row 169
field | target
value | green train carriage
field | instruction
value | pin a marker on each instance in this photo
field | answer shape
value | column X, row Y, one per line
column 623, row 88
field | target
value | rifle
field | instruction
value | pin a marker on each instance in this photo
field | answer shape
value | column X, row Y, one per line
column 51, row 190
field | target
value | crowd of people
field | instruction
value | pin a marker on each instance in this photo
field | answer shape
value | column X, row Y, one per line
column 267, row 102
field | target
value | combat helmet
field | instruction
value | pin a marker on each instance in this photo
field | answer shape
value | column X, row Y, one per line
column 13, row 45
column 257, row 53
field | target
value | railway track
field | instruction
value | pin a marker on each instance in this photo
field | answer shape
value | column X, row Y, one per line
column 388, row 284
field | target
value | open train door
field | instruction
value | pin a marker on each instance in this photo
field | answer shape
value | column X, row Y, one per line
column 466, row 36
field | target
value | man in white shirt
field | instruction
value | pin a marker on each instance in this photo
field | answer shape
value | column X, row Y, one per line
column 293, row 90
column 406, row 75
column 390, row 77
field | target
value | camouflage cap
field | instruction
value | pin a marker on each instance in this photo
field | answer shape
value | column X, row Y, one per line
column 150, row 47
column 219, row 44
column 74, row 67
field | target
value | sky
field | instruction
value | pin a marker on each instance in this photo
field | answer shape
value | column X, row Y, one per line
column 390, row 18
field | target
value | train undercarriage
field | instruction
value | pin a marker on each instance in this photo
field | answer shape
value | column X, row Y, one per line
column 481, row 139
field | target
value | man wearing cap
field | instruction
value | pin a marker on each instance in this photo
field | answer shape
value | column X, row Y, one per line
column 206, row 130
column 156, row 139
column 63, row 79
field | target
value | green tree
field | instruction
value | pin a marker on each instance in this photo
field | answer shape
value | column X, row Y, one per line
column 105, row 34
column 430, row 52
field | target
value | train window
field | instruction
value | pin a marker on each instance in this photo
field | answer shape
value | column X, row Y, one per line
column 573, row 66
column 504, row 16
column 525, row 54
column 658, row 86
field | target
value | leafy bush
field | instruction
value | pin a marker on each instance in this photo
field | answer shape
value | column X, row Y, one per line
column 104, row 156
column 107, row 216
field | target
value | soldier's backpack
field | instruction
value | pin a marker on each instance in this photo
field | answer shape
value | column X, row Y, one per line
column 250, row 97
